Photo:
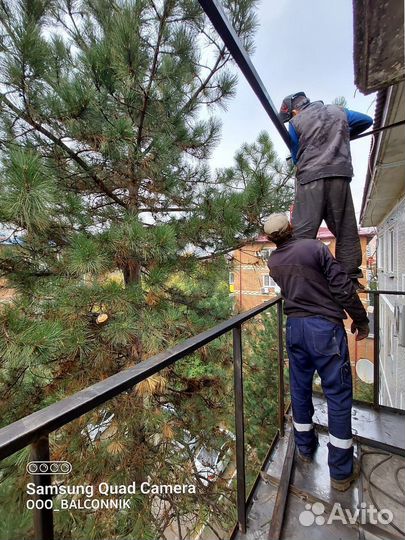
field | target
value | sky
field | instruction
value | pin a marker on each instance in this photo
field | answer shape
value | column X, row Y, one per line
column 300, row 46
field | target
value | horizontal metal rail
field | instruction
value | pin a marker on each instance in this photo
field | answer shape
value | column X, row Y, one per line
column 22, row 432
column 373, row 291
column 377, row 130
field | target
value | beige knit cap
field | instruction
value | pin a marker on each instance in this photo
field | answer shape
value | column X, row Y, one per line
column 276, row 223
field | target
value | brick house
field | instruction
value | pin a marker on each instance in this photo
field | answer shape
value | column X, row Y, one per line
column 6, row 292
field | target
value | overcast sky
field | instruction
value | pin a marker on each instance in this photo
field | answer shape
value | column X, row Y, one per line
column 304, row 46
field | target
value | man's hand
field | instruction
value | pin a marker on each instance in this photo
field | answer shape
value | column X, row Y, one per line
column 361, row 330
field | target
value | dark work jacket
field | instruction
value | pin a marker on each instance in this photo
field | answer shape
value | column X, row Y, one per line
column 313, row 283
column 324, row 136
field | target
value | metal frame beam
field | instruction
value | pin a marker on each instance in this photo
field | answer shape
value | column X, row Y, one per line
column 240, row 427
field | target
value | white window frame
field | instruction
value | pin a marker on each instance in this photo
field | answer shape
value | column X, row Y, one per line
column 268, row 281
column 390, row 338
column 390, row 250
column 263, row 251
column 381, row 253
column 231, row 278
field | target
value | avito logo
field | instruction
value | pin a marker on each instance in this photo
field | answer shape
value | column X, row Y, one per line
column 315, row 514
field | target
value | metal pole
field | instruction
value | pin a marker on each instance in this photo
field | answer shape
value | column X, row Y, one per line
column 377, row 130
column 240, row 428
column 280, row 368
column 43, row 516
column 376, row 398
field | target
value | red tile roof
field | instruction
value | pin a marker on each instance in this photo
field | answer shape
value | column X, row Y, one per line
column 324, row 232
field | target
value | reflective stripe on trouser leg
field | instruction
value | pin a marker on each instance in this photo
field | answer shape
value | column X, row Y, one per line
column 344, row 444
column 302, row 427
column 304, row 437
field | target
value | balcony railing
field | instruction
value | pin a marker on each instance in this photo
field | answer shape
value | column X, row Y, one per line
column 34, row 429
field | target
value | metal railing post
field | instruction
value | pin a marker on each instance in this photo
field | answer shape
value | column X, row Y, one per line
column 43, row 513
column 376, row 394
column 239, row 427
column 280, row 368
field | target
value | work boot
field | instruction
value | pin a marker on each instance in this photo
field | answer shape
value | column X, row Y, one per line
column 344, row 484
column 308, row 458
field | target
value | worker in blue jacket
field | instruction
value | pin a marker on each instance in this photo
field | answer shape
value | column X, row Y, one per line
column 320, row 136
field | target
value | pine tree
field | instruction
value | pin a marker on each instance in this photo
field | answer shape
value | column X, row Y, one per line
column 107, row 119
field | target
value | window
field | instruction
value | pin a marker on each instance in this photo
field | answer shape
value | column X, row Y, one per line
column 268, row 281
column 380, row 253
column 390, row 336
column 370, row 315
column 265, row 253
column 231, row 282
column 390, row 251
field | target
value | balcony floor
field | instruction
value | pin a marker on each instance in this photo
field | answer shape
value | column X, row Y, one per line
column 379, row 428
column 310, row 484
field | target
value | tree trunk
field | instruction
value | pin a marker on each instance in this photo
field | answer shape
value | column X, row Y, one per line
column 132, row 272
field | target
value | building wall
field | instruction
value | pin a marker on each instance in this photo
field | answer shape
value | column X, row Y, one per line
column 391, row 276
column 7, row 293
column 249, row 269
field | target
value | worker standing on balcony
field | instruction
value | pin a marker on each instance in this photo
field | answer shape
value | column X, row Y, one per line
column 320, row 136
column 317, row 292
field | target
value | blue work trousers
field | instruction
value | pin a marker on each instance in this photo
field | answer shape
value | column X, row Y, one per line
column 315, row 343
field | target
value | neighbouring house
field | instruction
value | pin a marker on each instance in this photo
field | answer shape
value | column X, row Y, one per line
column 7, row 293
column 379, row 65
column 250, row 283
column 384, row 207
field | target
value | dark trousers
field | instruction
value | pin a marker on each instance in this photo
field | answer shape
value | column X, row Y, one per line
column 329, row 199
column 314, row 343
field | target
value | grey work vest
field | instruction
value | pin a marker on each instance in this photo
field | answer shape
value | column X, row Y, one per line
column 324, row 142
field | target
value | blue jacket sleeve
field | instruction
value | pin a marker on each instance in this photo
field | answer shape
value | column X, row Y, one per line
column 295, row 142
column 358, row 122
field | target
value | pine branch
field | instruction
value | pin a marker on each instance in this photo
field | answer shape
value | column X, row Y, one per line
column 72, row 154
column 215, row 68
column 153, row 71
column 227, row 250
column 155, row 210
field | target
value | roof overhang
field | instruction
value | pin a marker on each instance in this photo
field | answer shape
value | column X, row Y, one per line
column 385, row 182
column 378, row 43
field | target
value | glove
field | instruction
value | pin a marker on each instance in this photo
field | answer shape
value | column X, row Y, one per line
column 361, row 330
